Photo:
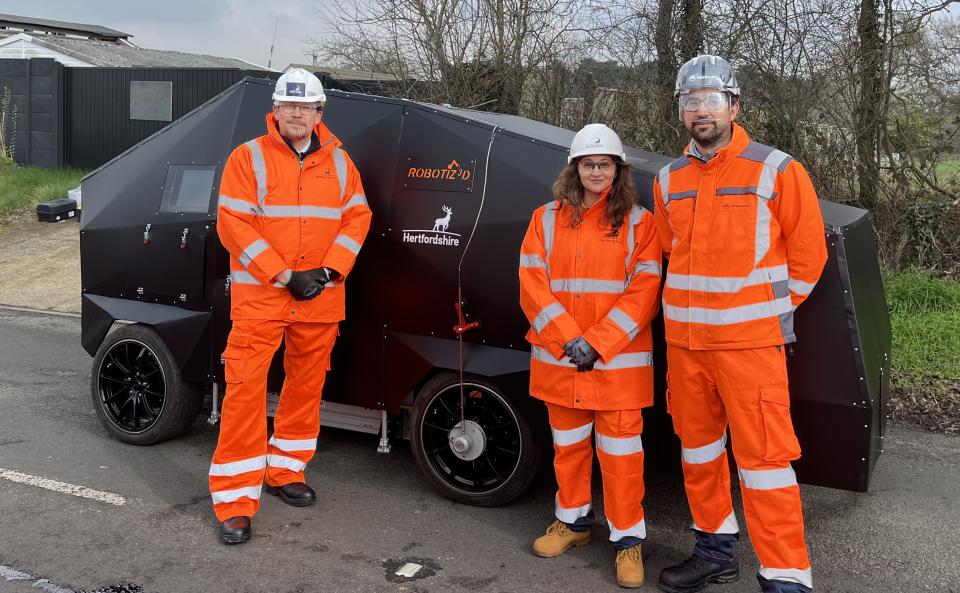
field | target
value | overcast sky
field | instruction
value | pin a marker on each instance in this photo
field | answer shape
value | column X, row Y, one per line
column 230, row 28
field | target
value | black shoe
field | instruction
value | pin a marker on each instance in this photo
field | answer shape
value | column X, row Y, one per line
column 694, row 573
column 235, row 530
column 295, row 494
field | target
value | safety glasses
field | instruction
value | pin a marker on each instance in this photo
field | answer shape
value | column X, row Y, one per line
column 711, row 102
column 305, row 109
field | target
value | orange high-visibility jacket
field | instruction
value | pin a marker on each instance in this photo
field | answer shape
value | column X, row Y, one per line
column 275, row 214
column 746, row 243
column 576, row 280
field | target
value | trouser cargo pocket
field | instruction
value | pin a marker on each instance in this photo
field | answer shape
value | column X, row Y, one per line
column 779, row 440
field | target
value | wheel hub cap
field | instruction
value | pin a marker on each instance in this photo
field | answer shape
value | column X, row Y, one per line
column 467, row 440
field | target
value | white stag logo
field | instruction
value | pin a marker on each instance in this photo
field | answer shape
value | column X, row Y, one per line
column 441, row 224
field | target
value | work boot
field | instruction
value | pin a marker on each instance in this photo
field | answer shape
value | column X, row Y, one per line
column 295, row 494
column 694, row 573
column 630, row 567
column 558, row 539
column 235, row 530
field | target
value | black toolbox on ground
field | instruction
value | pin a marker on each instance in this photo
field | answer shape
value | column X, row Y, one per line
column 57, row 210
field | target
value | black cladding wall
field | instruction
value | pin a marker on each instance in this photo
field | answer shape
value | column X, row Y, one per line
column 36, row 92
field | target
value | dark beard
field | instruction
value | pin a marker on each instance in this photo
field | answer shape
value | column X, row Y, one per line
column 710, row 137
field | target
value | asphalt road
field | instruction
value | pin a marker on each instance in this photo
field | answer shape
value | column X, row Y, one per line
column 376, row 513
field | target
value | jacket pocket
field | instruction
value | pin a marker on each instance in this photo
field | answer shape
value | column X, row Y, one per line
column 236, row 357
column 779, row 441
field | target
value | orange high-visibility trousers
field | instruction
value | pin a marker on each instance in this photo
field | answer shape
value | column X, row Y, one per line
column 620, row 450
column 747, row 391
column 244, row 457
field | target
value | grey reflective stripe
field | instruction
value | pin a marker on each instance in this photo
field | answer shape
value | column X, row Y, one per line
column 565, row 438
column 786, row 327
column 646, row 266
column 301, row 212
column 549, row 222
column 531, row 261
column 637, row 530
column 682, row 195
column 627, row 360
column 619, row 446
column 235, row 204
column 788, row 575
column 801, row 287
column 349, row 243
column 289, row 445
column 729, row 525
column 356, row 200
column 221, row 496
column 570, row 515
column 728, row 316
column 587, row 285
column 242, row 277
column 768, row 479
column 706, row 453
column 664, row 177
column 782, row 292
column 623, row 321
column 735, row 191
column 729, row 284
column 235, row 468
column 546, row 315
column 340, row 162
column 765, row 193
column 756, row 152
column 259, row 170
column 636, row 215
column 294, row 465
column 251, row 252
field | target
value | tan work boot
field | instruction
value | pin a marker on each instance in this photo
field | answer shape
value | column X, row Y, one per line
column 630, row 567
column 558, row 539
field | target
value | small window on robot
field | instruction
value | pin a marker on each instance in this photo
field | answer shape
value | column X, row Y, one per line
column 188, row 188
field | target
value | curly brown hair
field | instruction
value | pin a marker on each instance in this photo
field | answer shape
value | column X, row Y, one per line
column 568, row 189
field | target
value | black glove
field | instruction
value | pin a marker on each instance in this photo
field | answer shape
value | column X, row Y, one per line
column 303, row 286
column 323, row 275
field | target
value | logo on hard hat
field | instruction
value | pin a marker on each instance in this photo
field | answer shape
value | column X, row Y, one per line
column 438, row 235
column 296, row 89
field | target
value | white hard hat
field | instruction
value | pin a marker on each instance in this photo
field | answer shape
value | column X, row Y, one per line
column 296, row 85
column 596, row 139
column 706, row 71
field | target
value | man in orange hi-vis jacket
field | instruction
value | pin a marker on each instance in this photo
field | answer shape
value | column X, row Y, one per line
column 293, row 215
column 741, row 225
column 589, row 280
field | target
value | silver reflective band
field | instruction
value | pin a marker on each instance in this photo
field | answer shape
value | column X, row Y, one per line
column 348, row 243
column 623, row 321
column 301, row 212
column 294, row 465
column 768, row 479
column 340, row 163
column 706, row 453
column 356, row 200
column 728, row 316
column 235, row 204
column 565, row 438
column 235, row 468
column 248, row 278
column 221, row 496
column 259, row 170
column 587, row 285
column 789, row 575
column 627, row 360
column 570, row 515
column 664, row 177
column 289, row 445
column 547, row 314
column 543, row 355
column 647, row 267
column 729, row 525
column 619, row 446
column 638, row 530
column 682, row 195
column 735, row 191
column 549, row 222
column 531, row 261
column 801, row 287
column 727, row 284
column 251, row 252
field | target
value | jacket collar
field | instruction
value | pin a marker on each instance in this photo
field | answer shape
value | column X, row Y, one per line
column 739, row 140
column 328, row 141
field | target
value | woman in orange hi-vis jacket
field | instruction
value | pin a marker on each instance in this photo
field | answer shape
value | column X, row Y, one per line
column 589, row 281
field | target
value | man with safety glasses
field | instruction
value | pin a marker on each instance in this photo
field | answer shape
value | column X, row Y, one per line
column 293, row 216
column 741, row 226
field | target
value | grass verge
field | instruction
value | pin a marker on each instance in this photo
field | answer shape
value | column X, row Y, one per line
column 23, row 186
column 925, row 373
